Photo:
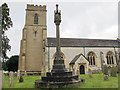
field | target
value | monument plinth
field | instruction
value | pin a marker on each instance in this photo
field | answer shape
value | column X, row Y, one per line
column 59, row 77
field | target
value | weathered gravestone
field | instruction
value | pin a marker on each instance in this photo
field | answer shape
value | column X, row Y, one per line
column 15, row 74
column 113, row 71
column 25, row 74
column 21, row 78
column 18, row 74
column 105, row 71
column 90, row 73
column 11, row 76
column 106, row 77
column 109, row 71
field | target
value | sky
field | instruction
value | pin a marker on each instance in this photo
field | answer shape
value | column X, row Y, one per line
column 93, row 20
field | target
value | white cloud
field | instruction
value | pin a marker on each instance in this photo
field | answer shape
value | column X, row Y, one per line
column 79, row 20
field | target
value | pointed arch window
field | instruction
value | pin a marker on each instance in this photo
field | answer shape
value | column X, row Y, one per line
column 36, row 19
column 110, row 58
column 91, row 58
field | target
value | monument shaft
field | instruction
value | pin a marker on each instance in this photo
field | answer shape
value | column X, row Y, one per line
column 58, row 43
column 59, row 77
column 57, row 20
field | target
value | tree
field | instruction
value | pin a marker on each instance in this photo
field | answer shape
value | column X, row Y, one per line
column 5, row 24
column 12, row 63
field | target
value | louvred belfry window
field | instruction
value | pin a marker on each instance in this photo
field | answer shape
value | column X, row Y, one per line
column 35, row 19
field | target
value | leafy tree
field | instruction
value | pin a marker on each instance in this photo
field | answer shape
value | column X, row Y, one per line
column 4, row 66
column 12, row 63
column 5, row 24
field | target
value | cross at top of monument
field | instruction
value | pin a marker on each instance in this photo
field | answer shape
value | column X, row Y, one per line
column 57, row 16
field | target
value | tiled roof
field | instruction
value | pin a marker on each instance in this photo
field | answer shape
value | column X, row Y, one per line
column 79, row 42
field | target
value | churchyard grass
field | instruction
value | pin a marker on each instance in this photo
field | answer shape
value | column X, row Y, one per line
column 96, row 82
column 29, row 82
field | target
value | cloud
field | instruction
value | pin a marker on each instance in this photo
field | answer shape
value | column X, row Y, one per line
column 79, row 20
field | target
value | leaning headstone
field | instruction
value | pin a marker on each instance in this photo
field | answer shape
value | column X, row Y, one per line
column 18, row 74
column 106, row 77
column 21, row 78
column 90, row 73
column 109, row 71
column 11, row 75
column 105, row 70
column 113, row 71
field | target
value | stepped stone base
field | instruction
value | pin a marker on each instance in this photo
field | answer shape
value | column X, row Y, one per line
column 69, row 84
column 59, row 77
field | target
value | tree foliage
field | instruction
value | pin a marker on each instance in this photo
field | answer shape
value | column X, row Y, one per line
column 6, row 23
column 12, row 63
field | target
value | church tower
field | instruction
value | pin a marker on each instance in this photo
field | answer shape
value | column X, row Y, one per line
column 33, row 41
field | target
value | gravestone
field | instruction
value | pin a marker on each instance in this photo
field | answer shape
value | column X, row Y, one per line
column 18, row 74
column 109, row 71
column 106, row 77
column 90, row 73
column 11, row 76
column 113, row 71
column 25, row 74
column 21, row 78
column 105, row 70
column 15, row 74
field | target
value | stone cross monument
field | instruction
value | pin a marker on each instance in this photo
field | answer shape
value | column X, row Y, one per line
column 57, row 21
column 58, row 62
column 59, row 77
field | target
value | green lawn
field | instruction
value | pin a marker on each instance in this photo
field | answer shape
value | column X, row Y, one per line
column 95, row 82
column 29, row 82
column 98, row 81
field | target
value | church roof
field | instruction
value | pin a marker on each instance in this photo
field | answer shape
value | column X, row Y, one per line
column 76, row 58
column 79, row 42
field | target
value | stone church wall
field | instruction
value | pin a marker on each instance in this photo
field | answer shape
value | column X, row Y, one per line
column 71, row 52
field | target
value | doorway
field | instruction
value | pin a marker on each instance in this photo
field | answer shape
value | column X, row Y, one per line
column 82, row 69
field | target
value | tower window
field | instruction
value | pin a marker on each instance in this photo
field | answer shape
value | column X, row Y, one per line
column 35, row 19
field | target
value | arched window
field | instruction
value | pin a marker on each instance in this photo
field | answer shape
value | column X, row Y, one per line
column 91, row 58
column 36, row 19
column 110, row 58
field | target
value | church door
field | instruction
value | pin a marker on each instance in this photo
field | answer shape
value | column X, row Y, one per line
column 82, row 69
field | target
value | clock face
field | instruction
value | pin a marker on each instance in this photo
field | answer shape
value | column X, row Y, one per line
column 35, row 29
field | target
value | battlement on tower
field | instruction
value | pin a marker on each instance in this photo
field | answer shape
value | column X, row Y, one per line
column 35, row 7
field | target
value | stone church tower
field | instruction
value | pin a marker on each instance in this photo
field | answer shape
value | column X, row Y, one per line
column 33, row 41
